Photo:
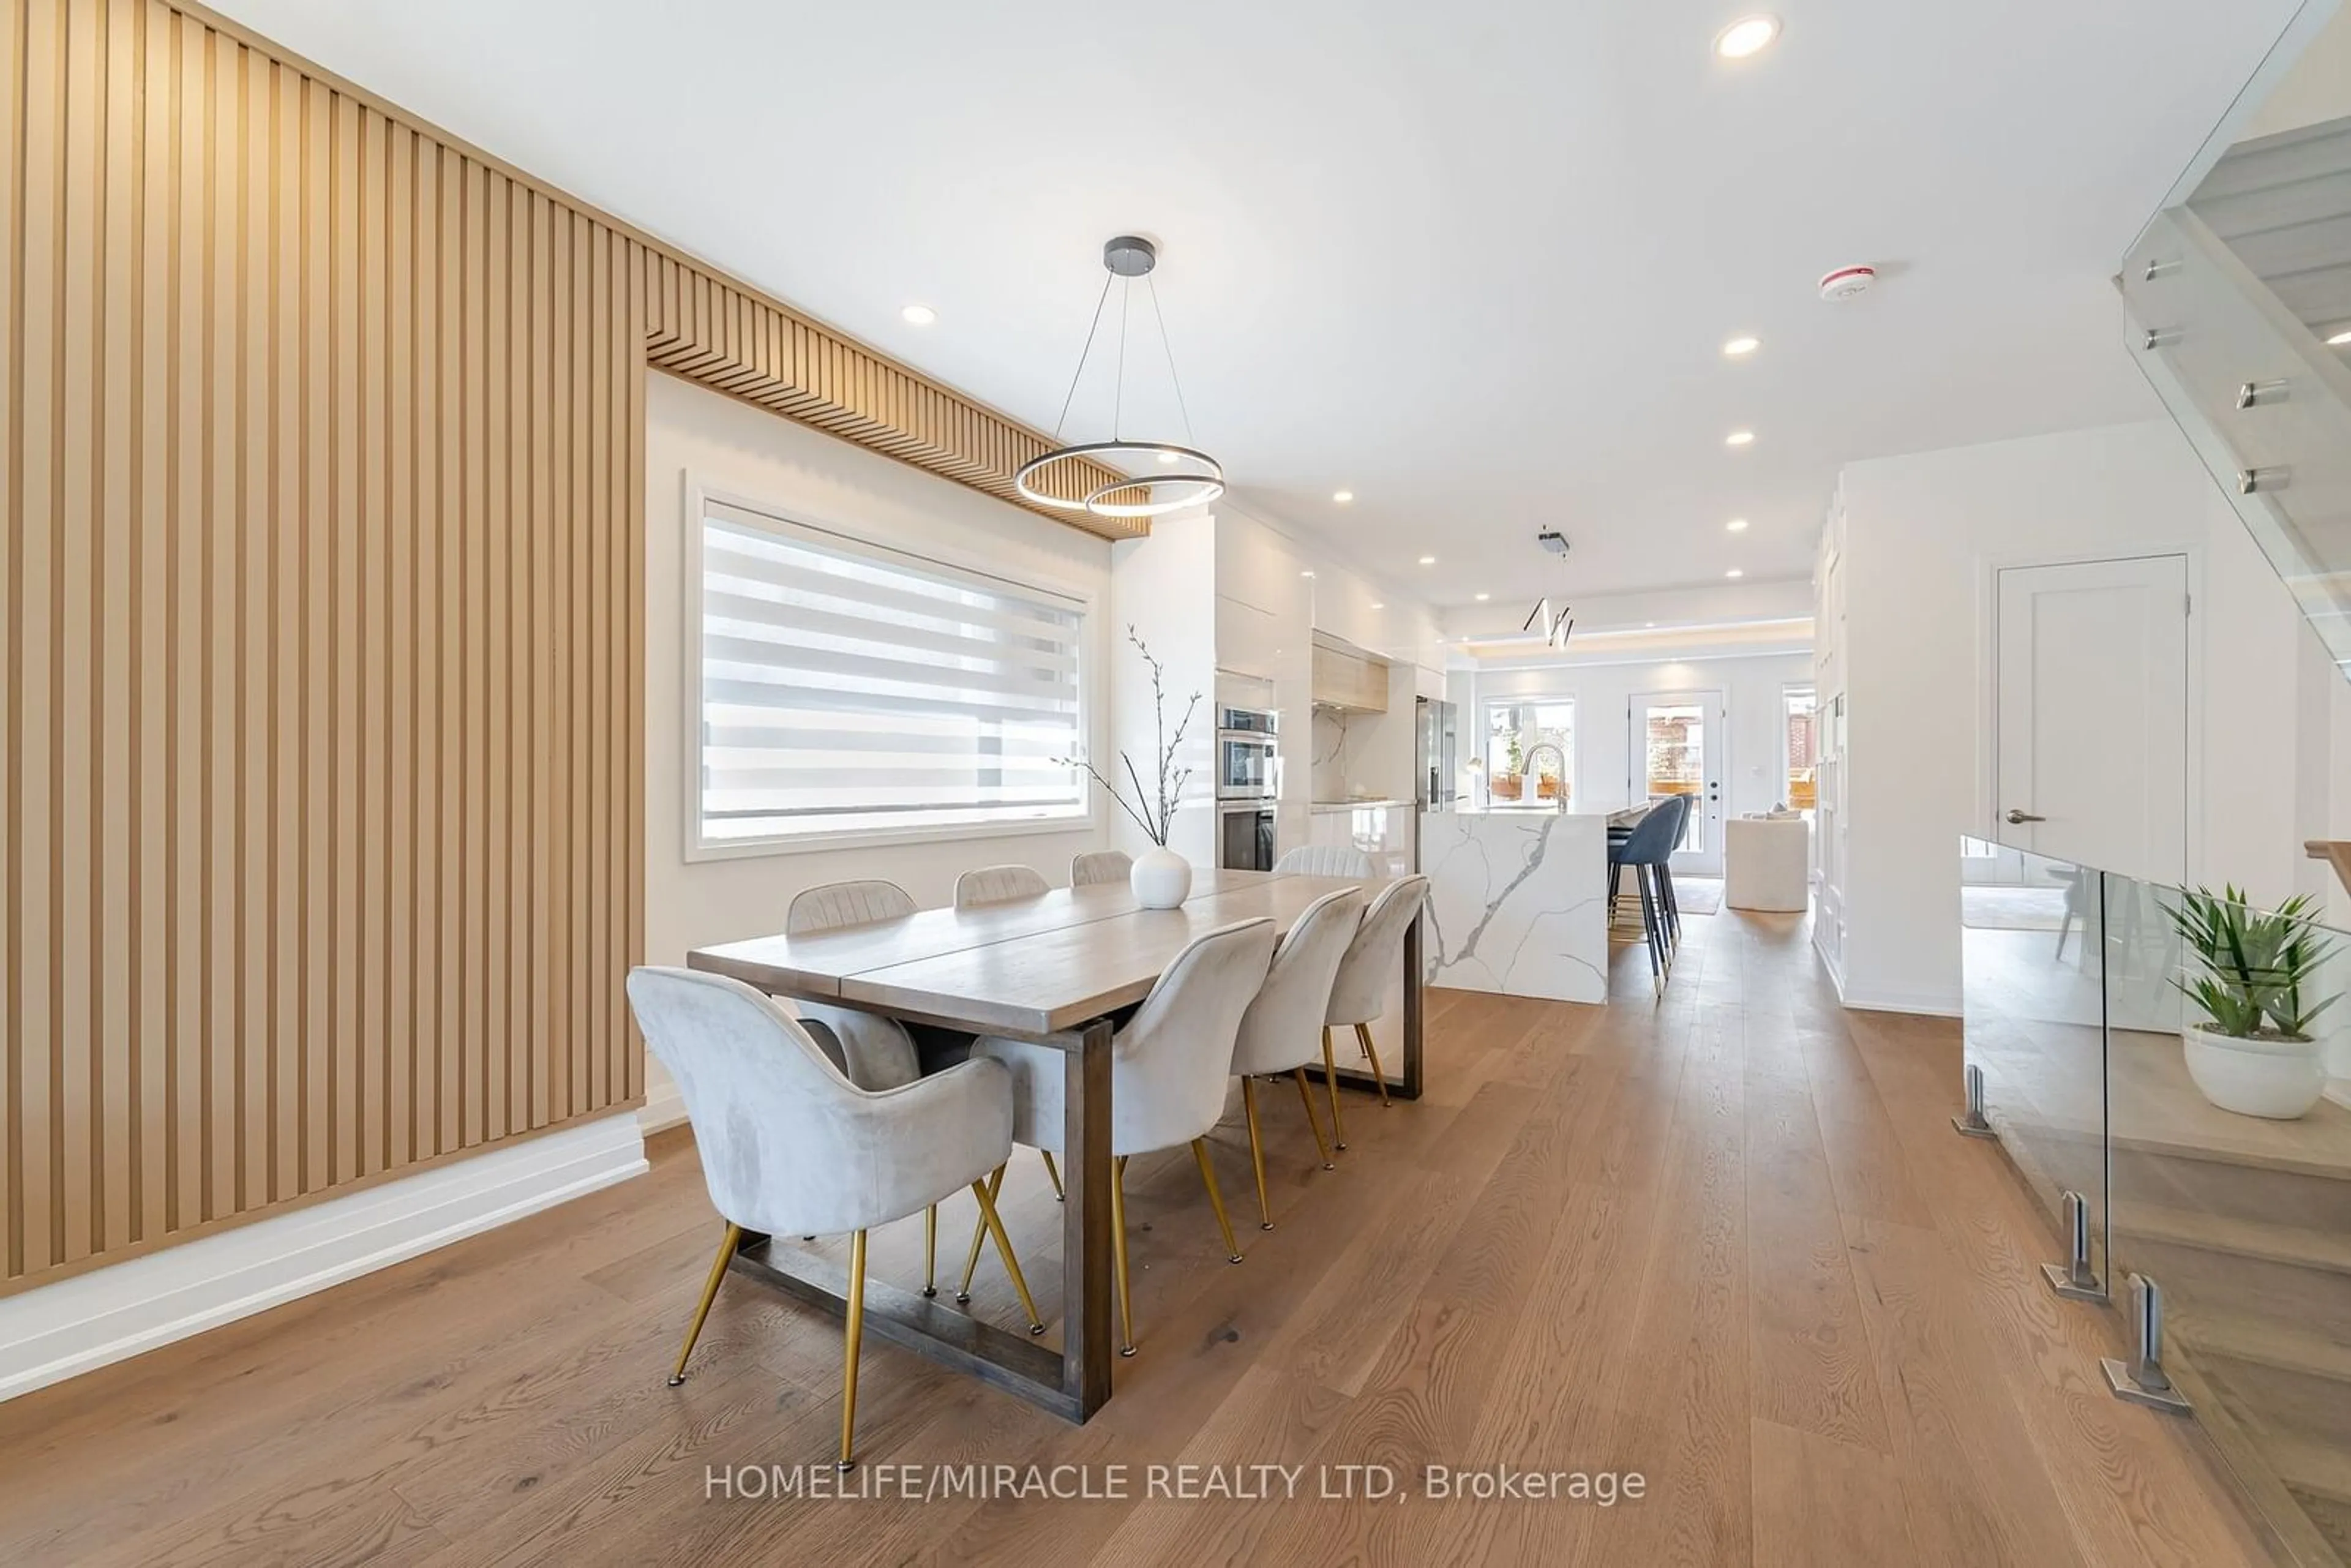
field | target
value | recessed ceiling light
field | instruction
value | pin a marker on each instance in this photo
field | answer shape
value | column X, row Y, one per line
column 1377, row 605
column 1737, row 525
column 1739, row 438
column 1740, row 346
column 1483, row 597
column 1306, row 574
column 1735, row 571
column 2339, row 339
column 1428, row 560
column 918, row 315
column 1649, row 624
column 1343, row 496
column 1748, row 35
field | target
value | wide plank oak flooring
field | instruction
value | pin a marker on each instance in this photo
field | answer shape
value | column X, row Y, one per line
column 1727, row 1240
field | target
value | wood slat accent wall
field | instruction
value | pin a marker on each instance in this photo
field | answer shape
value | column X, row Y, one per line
column 322, row 624
column 320, row 639
column 726, row 337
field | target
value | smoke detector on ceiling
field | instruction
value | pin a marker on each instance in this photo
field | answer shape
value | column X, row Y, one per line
column 1846, row 282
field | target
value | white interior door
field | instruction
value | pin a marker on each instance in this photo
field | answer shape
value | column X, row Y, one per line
column 1680, row 743
column 2092, row 713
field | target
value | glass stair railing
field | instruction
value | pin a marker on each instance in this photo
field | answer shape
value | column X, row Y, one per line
column 2232, row 296
column 2137, row 1126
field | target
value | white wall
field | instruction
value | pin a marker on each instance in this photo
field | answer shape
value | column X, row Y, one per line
column 1164, row 587
column 1924, row 534
column 1752, row 686
column 731, row 446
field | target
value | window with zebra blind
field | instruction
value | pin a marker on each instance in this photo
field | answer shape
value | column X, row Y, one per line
column 848, row 691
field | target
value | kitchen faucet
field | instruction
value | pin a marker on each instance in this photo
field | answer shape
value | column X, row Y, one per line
column 1537, row 749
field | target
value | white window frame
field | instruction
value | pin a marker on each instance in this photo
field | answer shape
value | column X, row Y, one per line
column 697, row 499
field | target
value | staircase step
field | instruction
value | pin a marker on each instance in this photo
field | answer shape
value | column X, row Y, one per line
column 2287, row 1347
column 2288, row 1244
column 2311, row 1469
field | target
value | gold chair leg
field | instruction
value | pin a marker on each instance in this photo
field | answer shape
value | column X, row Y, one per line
column 1054, row 1171
column 1331, row 1087
column 995, row 1224
column 1215, row 1199
column 856, row 1338
column 1306, row 1098
column 1372, row 1055
column 1118, row 1252
column 931, row 1250
column 978, row 1233
column 1257, row 1151
column 709, row 1294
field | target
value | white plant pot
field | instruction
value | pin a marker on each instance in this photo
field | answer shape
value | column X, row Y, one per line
column 2279, row 1078
column 1161, row 879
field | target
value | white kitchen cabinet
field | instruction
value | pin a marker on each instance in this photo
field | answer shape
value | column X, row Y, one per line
column 1248, row 640
column 1350, row 679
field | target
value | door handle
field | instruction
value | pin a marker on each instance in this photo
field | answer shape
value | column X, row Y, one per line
column 2018, row 819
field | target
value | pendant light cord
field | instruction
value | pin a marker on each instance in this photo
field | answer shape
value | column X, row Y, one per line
column 1078, row 374
column 1168, row 347
column 1118, row 389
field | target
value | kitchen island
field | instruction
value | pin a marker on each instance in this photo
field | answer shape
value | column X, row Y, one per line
column 1518, row 901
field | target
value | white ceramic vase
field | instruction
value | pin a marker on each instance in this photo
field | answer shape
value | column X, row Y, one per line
column 1161, row 879
column 2279, row 1078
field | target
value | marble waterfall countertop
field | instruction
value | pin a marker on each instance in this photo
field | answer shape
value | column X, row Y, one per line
column 1518, row 902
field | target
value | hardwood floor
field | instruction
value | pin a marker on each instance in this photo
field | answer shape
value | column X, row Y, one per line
column 1727, row 1241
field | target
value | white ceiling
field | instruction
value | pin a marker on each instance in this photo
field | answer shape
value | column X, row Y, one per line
column 1473, row 263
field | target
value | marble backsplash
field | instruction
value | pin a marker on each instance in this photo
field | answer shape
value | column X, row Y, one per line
column 1329, row 781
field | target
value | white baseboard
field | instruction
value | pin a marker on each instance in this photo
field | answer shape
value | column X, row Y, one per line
column 53, row 1332
column 1828, row 963
column 1928, row 1003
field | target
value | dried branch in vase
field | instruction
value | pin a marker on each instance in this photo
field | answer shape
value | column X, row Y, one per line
column 1154, row 810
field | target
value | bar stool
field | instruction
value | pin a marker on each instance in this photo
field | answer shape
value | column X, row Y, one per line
column 1645, row 849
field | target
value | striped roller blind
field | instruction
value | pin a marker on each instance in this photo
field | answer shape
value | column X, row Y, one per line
column 848, row 688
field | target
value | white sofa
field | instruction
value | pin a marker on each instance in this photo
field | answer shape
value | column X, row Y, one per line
column 1766, row 863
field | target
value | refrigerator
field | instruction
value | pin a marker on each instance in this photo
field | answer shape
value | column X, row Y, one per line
column 1437, row 754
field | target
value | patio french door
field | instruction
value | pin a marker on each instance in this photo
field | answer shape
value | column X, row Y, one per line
column 1679, row 747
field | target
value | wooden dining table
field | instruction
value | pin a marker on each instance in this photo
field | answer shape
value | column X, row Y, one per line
column 1051, row 968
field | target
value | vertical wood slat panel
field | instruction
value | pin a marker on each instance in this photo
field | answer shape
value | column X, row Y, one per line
column 12, row 465
column 254, row 620
column 402, row 980
column 114, row 630
column 75, row 716
column 315, row 806
column 151, row 929
column 37, row 237
column 322, row 448
column 286, row 304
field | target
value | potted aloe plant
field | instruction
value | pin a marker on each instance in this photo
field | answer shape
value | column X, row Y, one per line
column 2249, row 973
